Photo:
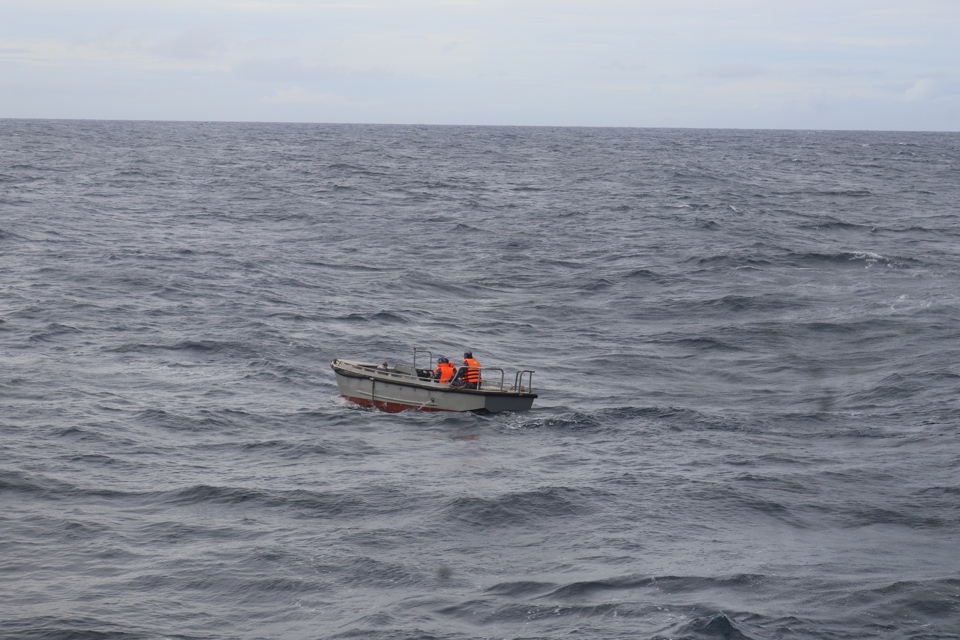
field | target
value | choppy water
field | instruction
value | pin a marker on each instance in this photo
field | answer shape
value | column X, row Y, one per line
column 746, row 347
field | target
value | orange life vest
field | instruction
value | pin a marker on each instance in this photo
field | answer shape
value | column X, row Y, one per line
column 445, row 372
column 472, row 374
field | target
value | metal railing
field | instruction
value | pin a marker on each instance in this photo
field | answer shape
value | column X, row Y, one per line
column 417, row 350
column 482, row 369
column 518, row 381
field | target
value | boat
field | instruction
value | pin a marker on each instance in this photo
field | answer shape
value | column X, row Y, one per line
column 403, row 387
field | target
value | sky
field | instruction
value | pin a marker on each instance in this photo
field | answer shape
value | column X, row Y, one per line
column 798, row 64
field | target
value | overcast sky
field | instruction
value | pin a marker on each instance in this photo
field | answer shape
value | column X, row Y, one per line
column 821, row 64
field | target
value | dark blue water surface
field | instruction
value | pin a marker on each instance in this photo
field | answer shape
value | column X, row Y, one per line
column 746, row 345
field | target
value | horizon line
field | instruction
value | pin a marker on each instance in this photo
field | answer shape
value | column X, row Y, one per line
column 502, row 126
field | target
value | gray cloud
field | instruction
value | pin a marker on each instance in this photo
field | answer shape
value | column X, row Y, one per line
column 844, row 72
column 607, row 62
column 195, row 44
column 735, row 70
column 287, row 70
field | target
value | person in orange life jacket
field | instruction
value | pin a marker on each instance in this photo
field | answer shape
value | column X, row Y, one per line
column 445, row 371
column 469, row 373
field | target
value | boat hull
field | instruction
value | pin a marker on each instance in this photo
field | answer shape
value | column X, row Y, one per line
column 389, row 390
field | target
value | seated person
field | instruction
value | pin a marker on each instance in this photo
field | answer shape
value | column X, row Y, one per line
column 445, row 371
column 468, row 377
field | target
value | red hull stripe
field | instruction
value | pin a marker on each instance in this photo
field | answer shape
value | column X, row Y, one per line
column 391, row 407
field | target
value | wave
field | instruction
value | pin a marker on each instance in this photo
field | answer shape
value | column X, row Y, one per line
column 132, row 173
column 192, row 347
column 708, row 627
column 522, row 508
column 6, row 235
column 294, row 450
column 725, row 260
column 857, row 259
column 619, row 418
column 297, row 503
column 650, row 599
column 52, row 331
column 568, row 420
column 697, row 343
column 346, row 267
column 930, row 604
column 659, row 608
column 379, row 316
column 896, row 388
column 600, row 284
column 851, row 259
column 751, row 304
column 834, row 225
column 648, row 275
column 42, row 487
column 20, row 482
column 343, row 166
column 72, row 628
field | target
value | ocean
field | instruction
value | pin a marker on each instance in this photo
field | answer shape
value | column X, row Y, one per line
column 746, row 350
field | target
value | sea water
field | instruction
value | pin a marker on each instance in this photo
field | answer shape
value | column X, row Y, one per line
column 746, row 348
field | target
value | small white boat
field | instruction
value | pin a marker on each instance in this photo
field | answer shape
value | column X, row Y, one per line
column 402, row 387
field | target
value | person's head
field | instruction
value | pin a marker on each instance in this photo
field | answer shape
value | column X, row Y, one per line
column 441, row 360
column 468, row 354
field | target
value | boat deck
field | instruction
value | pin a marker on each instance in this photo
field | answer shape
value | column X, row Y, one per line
column 403, row 387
